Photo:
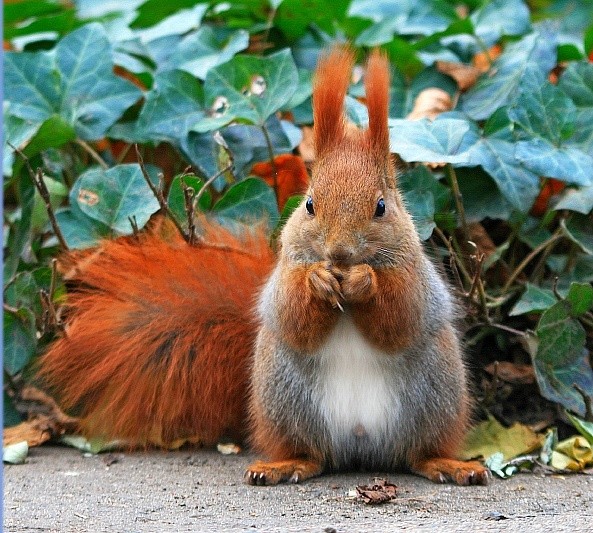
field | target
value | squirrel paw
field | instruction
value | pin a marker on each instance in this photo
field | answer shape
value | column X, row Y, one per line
column 294, row 471
column 324, row 283
column 359, row 283
column 441, row 470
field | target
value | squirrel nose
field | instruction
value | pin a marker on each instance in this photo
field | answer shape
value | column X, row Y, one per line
column 339, row 253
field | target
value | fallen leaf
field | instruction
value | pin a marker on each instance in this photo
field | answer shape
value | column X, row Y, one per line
column 430, row 103
column 490, row 437
column 573, row 454
column 34, row 432
column 484, row 60
column 292, row 177
column 15, row 454
column 380, row 492
column 94, row 445
column 512, row 372
column 549, row 190
column 465, row 75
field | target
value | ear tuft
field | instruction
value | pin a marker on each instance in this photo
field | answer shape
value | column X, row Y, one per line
column 377, row 97
column 332, row 79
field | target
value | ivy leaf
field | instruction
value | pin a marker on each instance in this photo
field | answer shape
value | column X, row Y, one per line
column 20, row 339
column 500, row 17
column 577, row 83
column 580, row 297
column 249, row 88
column 75, row 81
column 533, row 56
column 200, row 51
column 176, row 199
column 175, row 24
column 444, row 140
column 481, row 196
column 519, row 185
column 421, row 207
column 79, row 230
column 112, row 196
column 173, row 107
column 579, row 200
column 534, row 299
column 561, row 358
column 567, row 163
column 579, row 229
column 247, row 201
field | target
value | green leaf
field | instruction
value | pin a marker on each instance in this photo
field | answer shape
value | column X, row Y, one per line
column 580, row 297
column 421, row 208
column 112, row 196
column 543, row 110
column 566, row 164
column 533, row 56
column 178, row 23
column 561, row 358
column 173, row 107
column 534, row 299
column 75, row 81
column 519, row 185
column 500, row 17
column 205, row 49
column 583, row 427
column 11, row 416
column 79, row 230
column 293, row 18
column 176, row 199
column 53, row 133
column 15, row 454
column 249, row 88
column 20, row 339
column 444, row 140
column 23, row 289
column 577, row 83
column 150, row 12
column 57, row 193
column 248, row 201
column 579, row 200
column 481, row 197
column 579, row 229
column 404, row 56
column 16, row 131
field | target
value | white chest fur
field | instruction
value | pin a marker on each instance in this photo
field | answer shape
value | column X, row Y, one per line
column 356, row 392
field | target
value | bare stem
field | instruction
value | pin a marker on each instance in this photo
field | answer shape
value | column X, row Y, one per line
column 93, row 153
column 457, row 196
column 272, row 161
column 189, row 195
column 158, row 193
column 210, row 180
column 521, row 266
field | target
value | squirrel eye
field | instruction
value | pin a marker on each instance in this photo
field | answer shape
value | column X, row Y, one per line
column 380, row 210
column 309, row 206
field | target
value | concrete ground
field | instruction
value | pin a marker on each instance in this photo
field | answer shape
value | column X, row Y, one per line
column 61, row 490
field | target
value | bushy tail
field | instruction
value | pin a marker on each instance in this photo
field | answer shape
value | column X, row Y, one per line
column 159, row 337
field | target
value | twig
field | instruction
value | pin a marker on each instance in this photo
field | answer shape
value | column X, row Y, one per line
column 189, row 195
column 123, row 154
column 210, row 180
column 158, row 193
column 272, row 161
column 457, row 196
column 477, row 275
column 91, row 151
column 453, row 262
column 37, row 178
column 588, row 403
column 555, row 288
column 134, row 224
column 10, row 309
column 549, row 242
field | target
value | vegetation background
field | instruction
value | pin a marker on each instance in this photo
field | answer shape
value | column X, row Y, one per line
column 116, row 110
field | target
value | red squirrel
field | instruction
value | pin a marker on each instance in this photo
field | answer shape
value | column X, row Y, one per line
column 356, row 363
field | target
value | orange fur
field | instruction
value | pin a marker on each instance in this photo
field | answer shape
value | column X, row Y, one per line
column 377, row 98
column 331, row 83
column 160, row 336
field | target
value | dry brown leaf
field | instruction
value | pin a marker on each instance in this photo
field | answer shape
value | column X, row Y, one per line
column 465, row 75
column 430, row 103
column 380, row 492
column 483, row 60
column 512, row 372
column 35, row 431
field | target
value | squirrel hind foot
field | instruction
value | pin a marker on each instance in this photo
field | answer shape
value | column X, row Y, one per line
column 443, row 470
column 272, row 473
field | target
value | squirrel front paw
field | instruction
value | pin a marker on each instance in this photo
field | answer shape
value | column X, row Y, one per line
column 359, row 283
column 324, row 283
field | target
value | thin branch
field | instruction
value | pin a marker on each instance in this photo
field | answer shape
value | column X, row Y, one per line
column 134, row 224
column 92, row 152
column 210, row 180
column 123, row 154
column 189, row 196
column 158, row 193
column 271, row 154
column 519, row 269
column 457, row 196
column 37, row 178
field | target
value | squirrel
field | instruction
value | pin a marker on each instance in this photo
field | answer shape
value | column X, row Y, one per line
column 348, row 359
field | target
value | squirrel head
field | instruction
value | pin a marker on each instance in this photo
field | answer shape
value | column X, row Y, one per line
column 353, row 212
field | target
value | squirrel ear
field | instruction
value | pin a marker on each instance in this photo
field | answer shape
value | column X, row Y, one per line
column 332, row 79
column 377, row 97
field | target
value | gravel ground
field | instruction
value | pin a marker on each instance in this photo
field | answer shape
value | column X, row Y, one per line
column 61, row 490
